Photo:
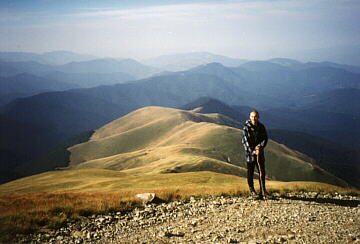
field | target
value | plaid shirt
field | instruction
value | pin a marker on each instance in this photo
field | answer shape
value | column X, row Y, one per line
column 253, row 136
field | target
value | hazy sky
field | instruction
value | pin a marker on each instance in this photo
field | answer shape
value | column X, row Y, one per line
column 253, row 29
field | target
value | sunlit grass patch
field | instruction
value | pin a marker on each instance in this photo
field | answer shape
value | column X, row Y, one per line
column 306, row 186
column 26, row 213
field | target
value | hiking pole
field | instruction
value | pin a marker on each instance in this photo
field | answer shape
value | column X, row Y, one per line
column 262, row 184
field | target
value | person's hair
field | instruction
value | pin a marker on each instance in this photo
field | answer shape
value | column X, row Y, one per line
column 255, row 111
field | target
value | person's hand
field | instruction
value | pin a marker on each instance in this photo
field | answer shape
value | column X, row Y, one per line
column 257, row 150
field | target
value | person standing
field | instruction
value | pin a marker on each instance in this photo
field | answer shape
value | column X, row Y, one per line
column 254, row 140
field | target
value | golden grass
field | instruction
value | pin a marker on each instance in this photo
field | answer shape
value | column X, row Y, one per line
column 155, row 140
column 29, row 204
column 29, row 212
column 307, row 186
column 100, row 180
column 147, row 128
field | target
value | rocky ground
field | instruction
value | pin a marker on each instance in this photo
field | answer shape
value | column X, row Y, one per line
column 293, row 218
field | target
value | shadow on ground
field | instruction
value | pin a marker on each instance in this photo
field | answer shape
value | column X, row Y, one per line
column 339, row 202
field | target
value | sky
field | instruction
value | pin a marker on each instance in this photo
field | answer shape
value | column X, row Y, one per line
column 251, row 29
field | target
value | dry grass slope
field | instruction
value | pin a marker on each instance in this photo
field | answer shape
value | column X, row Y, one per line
column 110, row 181
column 100, row 180
column 155, row 140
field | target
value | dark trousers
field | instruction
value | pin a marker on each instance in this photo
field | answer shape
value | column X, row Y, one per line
column 250, row 172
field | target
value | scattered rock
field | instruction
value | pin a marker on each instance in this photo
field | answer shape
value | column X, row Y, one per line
column 146, row 197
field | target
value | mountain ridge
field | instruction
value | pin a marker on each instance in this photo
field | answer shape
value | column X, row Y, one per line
column 163, row 140
column 106, row 65
column 26, row 85
column 51, row 58
column 184, row 61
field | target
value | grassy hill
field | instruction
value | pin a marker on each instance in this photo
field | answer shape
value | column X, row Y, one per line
column 110, row 181
column 340, row 160
column 156, row 140
column 99, row 180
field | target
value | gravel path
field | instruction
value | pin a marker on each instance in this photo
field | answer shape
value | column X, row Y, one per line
column 301, row 218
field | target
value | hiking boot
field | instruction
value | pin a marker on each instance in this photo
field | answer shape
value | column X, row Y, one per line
column 264, row 195
column 252, row 192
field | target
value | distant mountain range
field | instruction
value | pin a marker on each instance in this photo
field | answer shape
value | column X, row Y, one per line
column 51, row 58
column 102, row 66
column 185, row 61
column 27, row 78
column 272, row 79
column 349, row 54
column 319, row 100
column 90, row 79
column 208, row 105
column 26, row 85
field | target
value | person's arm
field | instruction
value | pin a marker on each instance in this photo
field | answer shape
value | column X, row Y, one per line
column 264, row 137
column 245, row 141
